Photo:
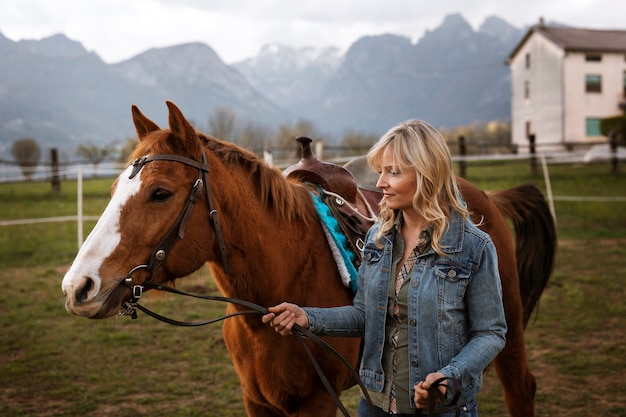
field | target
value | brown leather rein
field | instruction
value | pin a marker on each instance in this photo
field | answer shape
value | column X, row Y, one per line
column 302, row 333
column 177, row 231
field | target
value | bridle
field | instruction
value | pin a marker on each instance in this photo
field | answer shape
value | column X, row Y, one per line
column 176, row 232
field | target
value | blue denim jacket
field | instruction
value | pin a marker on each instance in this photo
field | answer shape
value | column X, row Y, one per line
column 455, row 312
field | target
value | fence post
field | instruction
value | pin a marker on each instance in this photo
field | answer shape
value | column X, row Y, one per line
column 533, row 154
column 462, row 162
column 613, row 145
column 268, row 156
column 319, row 150
column 546, row 178
column 79, row 206
column 54, row 162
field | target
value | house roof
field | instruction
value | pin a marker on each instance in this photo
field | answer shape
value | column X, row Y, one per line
column 577, row 40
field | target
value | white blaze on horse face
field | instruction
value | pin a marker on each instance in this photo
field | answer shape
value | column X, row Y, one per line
column 100, row 243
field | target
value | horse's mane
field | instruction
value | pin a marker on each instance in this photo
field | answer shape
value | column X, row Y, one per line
column 287, row 200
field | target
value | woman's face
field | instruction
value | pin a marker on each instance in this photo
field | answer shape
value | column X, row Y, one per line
column 398, row 186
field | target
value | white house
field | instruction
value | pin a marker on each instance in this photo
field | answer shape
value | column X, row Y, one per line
column 563, row 81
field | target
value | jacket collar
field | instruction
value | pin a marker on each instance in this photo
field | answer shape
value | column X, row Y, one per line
column 452, row 239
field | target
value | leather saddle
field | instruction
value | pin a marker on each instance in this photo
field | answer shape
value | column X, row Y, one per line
column 355, row 208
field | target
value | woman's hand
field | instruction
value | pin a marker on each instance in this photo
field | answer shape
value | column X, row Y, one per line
column 421, row 390
column 284, row 316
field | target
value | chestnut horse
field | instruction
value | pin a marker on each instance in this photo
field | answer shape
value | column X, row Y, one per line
column 264, row 243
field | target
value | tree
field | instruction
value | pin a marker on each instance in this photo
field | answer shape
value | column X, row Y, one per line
column 287, row 134
column 615, row 125
column 222, row 124
column 485, row 138
column 95, row 154
column 254, row 135
column 126, row 150
column 27, row 154
column 360, row 142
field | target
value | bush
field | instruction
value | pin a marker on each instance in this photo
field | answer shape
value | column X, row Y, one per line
column 614, row 125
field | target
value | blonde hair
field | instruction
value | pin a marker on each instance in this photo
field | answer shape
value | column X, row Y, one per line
column 415, row 145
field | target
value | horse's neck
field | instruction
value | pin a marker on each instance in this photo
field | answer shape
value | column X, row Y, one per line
column 271, row 263
column 273, row 256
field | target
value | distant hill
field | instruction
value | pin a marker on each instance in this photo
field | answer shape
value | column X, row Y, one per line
column 60, row 94
column 452, row 76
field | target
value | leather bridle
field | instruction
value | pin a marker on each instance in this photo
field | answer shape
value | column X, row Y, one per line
column 177, row 230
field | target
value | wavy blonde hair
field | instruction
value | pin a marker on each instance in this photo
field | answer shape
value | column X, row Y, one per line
column 415, row 145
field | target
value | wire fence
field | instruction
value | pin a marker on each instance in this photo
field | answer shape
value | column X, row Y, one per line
column 11, row 173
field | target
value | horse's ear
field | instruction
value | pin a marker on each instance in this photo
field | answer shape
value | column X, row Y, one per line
column 182, row 129
column 143, row 125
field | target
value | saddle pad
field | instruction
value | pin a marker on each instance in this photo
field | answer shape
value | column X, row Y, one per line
column 345, row 258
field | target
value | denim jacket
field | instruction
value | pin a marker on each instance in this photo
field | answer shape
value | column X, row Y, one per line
column 455, row 312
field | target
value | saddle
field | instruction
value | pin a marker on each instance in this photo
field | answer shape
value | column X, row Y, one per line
column 350, row 204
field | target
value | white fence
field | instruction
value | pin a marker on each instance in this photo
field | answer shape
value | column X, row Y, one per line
column 78, row 172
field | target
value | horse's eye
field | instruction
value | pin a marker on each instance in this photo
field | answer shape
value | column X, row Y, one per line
column 160, row 195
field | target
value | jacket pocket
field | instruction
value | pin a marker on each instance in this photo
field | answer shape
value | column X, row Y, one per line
column 452, row 281
column 371, row 254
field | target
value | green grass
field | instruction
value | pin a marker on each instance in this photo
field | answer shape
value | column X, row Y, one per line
column 54, row 364
column 44, row 243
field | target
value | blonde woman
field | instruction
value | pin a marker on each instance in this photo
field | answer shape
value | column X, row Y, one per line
column 429, row 301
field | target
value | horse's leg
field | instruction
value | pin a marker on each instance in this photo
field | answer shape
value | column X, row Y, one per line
column 512, row 363
column 318, row 404
column 254, row 409
column 536, row 245
column 262, row 375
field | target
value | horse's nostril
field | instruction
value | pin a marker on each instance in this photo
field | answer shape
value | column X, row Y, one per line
column 82, row 292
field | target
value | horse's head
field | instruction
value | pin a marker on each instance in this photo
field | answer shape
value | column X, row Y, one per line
column 139, row 236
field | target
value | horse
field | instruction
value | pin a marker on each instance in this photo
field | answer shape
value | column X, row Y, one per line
column 186, row 199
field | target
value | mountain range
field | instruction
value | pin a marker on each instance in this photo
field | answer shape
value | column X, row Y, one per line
column 58, row 93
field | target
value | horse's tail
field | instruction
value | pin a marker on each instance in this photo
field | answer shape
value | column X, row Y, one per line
column 535, row 239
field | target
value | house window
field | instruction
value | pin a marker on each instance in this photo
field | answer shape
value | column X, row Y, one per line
column 593, row 126
column 593, row 58
column 593, row 83
column 526, row 89
column 527, row 61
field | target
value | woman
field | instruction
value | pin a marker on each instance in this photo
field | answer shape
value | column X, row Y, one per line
column 429, row 301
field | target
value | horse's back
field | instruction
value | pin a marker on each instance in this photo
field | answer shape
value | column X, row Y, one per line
column 487, row 216
column 485, row 213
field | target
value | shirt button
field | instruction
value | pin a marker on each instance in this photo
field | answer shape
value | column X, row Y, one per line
column 414, row 363
column 452, row 273
column 412, row 322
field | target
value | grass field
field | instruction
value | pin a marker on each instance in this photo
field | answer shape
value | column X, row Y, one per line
column 54, row 364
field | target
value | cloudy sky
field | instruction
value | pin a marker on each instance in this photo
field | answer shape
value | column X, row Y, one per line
column 237, row 29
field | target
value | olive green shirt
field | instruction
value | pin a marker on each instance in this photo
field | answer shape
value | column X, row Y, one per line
column 404, row 403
